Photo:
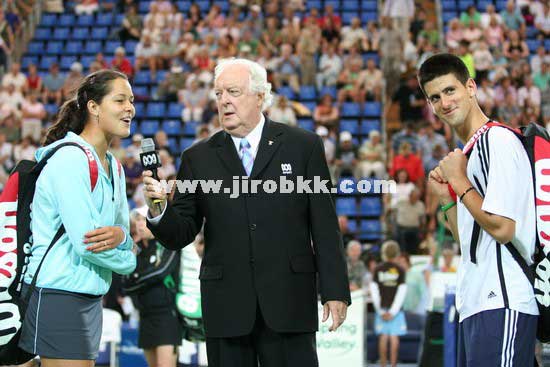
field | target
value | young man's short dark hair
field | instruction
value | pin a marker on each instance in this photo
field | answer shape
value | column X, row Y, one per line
column 442, row 64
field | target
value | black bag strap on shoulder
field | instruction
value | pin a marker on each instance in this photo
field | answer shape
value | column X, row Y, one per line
column 527, row 270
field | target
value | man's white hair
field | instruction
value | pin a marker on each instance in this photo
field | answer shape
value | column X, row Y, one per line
column 258, row 78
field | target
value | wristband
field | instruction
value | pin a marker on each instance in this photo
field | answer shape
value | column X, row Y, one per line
column 466, row 191
column 448, row 206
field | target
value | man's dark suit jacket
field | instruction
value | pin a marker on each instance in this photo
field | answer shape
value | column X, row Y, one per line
column 260, row 249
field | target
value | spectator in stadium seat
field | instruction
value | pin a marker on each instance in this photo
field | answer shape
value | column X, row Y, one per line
column 494, row 33
column 12, row 99
column 194, row 99
column 483, row 61
column 330, row 147
column 347, row 81
column 307, row 47
column 53, row 84
column 34, row 81
column 345, row 160
column 529, row 95
column 288, row 69
column 410, row 99
column 486, row 96
column 466, row 57
column 542, row 77
column 470, row 15
column 343, row 225
column 388, row 290
column 326, row 113
column 121, row 63
column 373, row 37
column 88, row 7
column 24, row 149
column 147, row 53
column 391, row 55
column 166, row 50
column 504, row 87
column 542, row 21
column 131, row 25
column 15, row 77
column 407, row 160
column 330, row 14
column 173, row 82
column 161, row 142
column 32, row 115
column 353, row 35
column 428, row 34
column 117, row 149
column 356, row 267
column 472, row 34
column 538, row 59
column 372, row 155
column 168, row 167
column 489, row 13
column 509, row 112
column 248, row 39
column 514, row 46
column 330, row 66
column 454, row 34
column 283, row 112
column 410, row 216
column 512, row 19
column 370, row 83
column 428, row 139
column 73, row 80
column 407, row 134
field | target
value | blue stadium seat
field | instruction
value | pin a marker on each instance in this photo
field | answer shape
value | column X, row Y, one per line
column 448, row 15
column 100, row 33
column 46, row 61
column 183, row 5
column 547, row 44
column 464, row 4
column 368, row 16
column 173, row 145
column 350, row 109
column 346, row 206
column 372, row 109
column 85, row 21
column 130, row 46
column 448, row 5
column 369, row 5
column 126, row 142
column 533, row 45
column 335, row 4
column 370, row 229
column 110, row 47
column 172, row 127
column 48, row 20
column 328, row 90
column 133, row 128
column 532, row 32
column 144, row 7
column 350, row 125
column 352, row 226
column 105, row 19
column 286, row 91
column 80, row 33
column 140, row 109
column 155, row 110
column 142, row 78
column 346, row 185
column 368, row 56
column 314, row 4
column 350, row 5
column 51, row 108
column 500, row 5
column 370, row 206
column 73, row 48
column 482, row 5
column 60, row 34
column 42, row 34
column 224, row 5
column 66, row 62
column 141, row 91
column 174, row 110
column 347, row 16
column 27, row 60
column 86, row 60
column 35, row 48
column 307, row 93
column 204, row 5
column 66, row 20
column 186, row 143
column 93, row 47
column 149, row 127
column 190, row 128
column 306, row 124
column 310, row 105
column 368, row 125
column 119, row 18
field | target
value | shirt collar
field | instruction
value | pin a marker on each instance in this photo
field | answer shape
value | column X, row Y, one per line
column 253, row 137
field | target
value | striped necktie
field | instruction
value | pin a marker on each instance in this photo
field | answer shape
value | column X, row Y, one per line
column 246, row 156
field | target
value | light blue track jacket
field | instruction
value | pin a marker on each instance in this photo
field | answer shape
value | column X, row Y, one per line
column 63, row 195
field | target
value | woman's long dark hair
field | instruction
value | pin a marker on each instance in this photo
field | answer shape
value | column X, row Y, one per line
column 73, row 114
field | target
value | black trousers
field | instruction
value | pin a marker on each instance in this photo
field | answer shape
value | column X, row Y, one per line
column 263, row 347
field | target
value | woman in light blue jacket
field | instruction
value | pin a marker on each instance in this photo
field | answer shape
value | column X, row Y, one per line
column 64, row 317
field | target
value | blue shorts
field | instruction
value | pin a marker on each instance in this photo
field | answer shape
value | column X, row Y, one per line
column 396, row 326
column 499, row 338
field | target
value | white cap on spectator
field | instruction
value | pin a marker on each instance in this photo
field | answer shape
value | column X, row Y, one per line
column 76, row 66
column 345, row 136
column 176, row 68
column 256, row 8
column 246, row 48
column 374, row 133
column 137, row 137
column 322, row 131
column 120, row 50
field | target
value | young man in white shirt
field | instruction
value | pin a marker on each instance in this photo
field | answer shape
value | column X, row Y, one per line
column 495, row 206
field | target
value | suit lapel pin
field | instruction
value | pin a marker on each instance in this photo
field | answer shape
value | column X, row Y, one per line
column 270, row 142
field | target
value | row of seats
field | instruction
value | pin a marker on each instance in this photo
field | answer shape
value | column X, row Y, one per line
column 367, row 206
column 366, row 229
column 481, row 5
column 71, row 20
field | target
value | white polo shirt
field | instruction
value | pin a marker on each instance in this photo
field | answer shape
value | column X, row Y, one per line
column 488, row 276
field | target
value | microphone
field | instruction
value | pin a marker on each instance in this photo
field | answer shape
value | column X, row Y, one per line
column 150, row 161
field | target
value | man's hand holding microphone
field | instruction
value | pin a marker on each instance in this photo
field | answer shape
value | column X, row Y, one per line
column 155, row 194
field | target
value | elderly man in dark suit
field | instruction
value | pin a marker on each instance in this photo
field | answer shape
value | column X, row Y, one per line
column 263, row 250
